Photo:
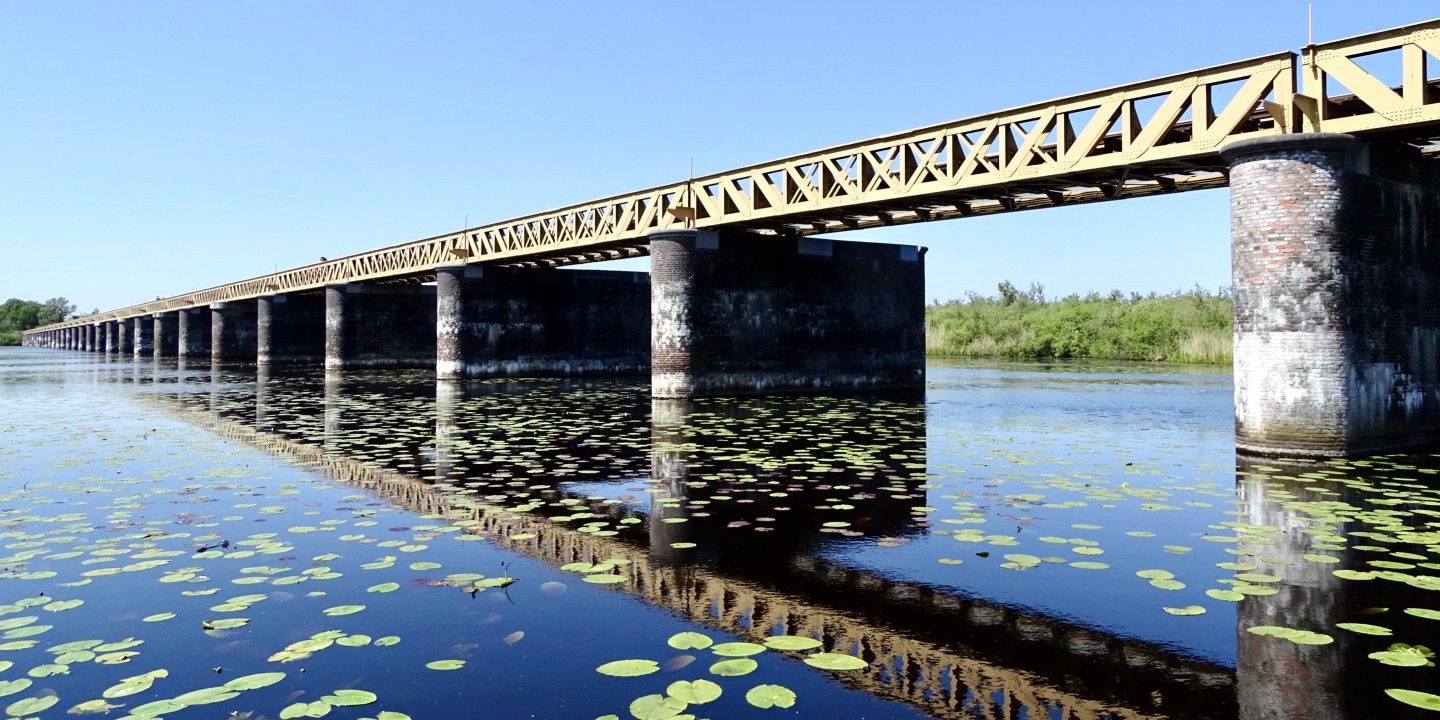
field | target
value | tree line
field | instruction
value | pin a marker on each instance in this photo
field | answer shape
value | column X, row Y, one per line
column 1189, row 326
column 17, row 316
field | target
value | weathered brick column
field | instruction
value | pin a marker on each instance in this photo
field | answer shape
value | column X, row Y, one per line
column 738, row 313
column 232, row 330
column 193, row 332
column 540, row 322
column 107, row 337
column 379, row 326
column 1335, row 252
column 121, row 329
column 142, row 332
column 672, row 300
column 167, row 334
column 290, row 328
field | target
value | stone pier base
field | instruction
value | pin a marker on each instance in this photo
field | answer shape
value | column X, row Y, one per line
column 167, row 334
column 1335, row 248
column 290, row 329
column 379, row 326
column 193, row 333
column 232, row 331
column 494, row 322
column 735, row 314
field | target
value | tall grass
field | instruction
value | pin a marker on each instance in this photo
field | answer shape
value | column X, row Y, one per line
column 1193, row 326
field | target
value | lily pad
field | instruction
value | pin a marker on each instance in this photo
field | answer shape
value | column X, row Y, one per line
column 628, row 668
column 734, row 667
column 791, row 642
column 344, row 610
column 835, row 661
column 693, row 692
column 737, row 649
column 1422, row 700
column 656, row 707
column 349, row 698
column 445, row 664
column 768, row 696
column 1186, row 611
column 1364, row 629
column 689, row 641
column 256, row 681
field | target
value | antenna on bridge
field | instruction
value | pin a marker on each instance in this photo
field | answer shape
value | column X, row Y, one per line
column 1310, row 22
column 686, row 209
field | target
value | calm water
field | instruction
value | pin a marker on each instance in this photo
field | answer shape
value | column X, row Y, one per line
column 1020, row 541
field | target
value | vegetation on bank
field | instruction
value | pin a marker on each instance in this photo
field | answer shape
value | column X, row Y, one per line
column 1193, row 326
column 17, row 316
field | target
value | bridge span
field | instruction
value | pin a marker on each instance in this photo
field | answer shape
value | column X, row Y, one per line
column 1334, row 208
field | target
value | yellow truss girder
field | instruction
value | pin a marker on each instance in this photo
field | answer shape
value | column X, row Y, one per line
column 1156, row 136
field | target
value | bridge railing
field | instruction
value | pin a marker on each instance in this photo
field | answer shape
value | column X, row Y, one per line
column 1360, row 101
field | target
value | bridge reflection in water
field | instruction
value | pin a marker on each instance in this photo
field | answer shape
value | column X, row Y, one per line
column 947, row 654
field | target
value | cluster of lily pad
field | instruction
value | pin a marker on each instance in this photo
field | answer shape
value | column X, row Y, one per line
column 735, row 659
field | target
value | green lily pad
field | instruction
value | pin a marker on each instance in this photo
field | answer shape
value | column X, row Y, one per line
column 445, row 664
column 737, row 649
column 1364, row 629
column 1185, row 611
column 734, row 667
column 1422, row 700
column 693, row 692
column 1426, row 613
column 31, row 705
column 10, row 687
column 768, row 696
column 628, row 668
column 344, row 610
column 91, row 707
column 349, row 698
column 791, row 642
column 387, row 641
column 689, row 641
column 1226, row 595
column 1399, row 658
column 256, row 681
column 383, row 587
column 157, row 708
column 656, row 707
column 207, row 696
column 835, row 661
column 604, row 578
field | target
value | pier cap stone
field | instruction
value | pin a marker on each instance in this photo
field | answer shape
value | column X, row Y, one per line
column 1233, row 152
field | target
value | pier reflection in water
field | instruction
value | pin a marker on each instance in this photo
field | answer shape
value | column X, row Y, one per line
column 763, row 516
column 723, row 508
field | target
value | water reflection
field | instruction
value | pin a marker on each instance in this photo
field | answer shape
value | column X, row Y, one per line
column 813, row 516
column 1305, row 521
column 725, row 509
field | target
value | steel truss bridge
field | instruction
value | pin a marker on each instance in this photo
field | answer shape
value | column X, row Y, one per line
column 1147, row 138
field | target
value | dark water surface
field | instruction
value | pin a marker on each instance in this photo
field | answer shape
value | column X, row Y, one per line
column 1068, row 541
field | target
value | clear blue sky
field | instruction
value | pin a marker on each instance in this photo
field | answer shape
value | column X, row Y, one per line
column 152, row 148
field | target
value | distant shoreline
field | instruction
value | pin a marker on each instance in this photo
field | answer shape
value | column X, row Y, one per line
column 1193, row 326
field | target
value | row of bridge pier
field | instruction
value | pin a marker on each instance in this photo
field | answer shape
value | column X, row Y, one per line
column 1335, row 270
column 720, row 313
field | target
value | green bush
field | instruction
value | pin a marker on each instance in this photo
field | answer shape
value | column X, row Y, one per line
column 1190, row 326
